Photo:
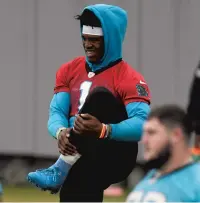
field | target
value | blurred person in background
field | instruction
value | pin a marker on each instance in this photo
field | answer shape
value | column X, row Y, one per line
column 174, row 175
column 115, row 190
column 99, row 106
column 1, row 192
column 193, row 112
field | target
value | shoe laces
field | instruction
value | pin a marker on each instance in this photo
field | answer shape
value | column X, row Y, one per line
column 49, row 171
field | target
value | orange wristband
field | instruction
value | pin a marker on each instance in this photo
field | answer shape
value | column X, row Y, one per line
column 103, row 131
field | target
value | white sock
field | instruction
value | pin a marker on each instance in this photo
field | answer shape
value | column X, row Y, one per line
column 70, row 159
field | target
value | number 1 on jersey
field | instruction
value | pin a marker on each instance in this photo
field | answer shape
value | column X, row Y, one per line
column 84, row 91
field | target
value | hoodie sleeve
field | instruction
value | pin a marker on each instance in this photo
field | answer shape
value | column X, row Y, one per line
column 60, row 103
column 58, row 113
column 131, row 129
column 135, row 94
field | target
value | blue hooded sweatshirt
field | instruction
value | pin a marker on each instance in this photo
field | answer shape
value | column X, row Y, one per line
column 114, row 23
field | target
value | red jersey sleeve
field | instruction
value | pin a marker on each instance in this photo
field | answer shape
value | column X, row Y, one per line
column 132, row 87
column 63, row 78
column 65, row 74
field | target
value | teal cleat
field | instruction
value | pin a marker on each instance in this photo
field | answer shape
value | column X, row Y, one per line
column 48, row 179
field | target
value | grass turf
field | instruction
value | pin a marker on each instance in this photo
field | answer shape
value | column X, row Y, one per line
column 31, row 194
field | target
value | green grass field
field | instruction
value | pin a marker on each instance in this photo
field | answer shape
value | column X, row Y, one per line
column 31, row 194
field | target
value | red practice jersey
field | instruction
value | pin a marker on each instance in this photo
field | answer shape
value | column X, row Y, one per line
column 121, row 79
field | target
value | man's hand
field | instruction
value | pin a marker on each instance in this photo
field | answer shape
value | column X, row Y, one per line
column 88, row 125
column 65, row 147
